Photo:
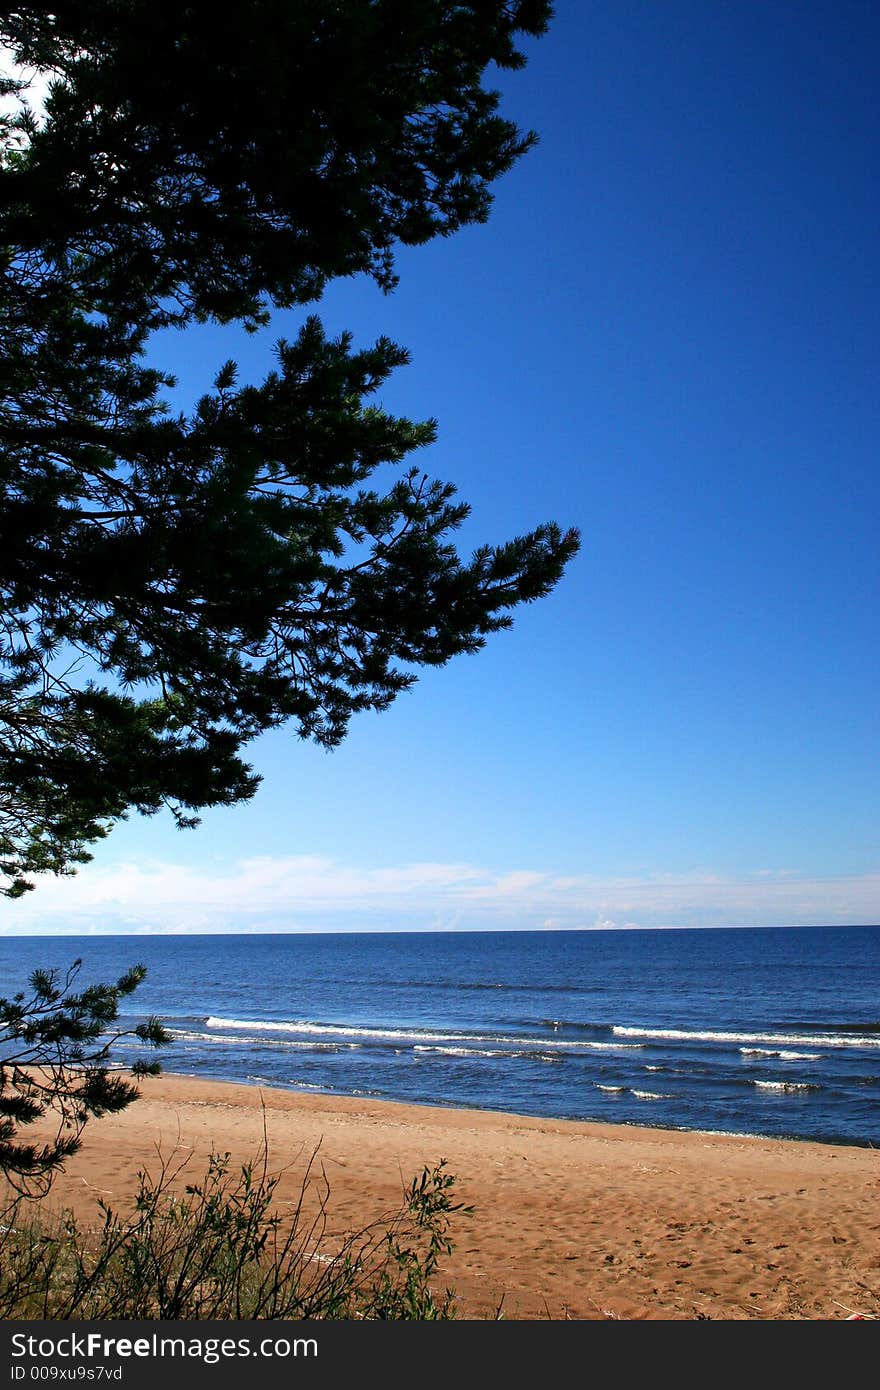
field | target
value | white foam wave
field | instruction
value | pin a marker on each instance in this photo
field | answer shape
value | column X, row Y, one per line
column 786, row 1086
column 465, row 1051
column 334, row 1030
column 650, row 1095
column 490, row 1052
column 183, row 1035
column 792, row 1039
column 781, row 1053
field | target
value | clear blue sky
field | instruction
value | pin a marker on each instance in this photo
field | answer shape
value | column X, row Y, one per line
column 666, row 335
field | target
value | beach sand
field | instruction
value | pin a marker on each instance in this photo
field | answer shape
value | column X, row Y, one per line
column 572, row 1220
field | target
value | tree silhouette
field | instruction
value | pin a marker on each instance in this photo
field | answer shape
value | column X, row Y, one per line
column 172, row 585
column 55, row 1046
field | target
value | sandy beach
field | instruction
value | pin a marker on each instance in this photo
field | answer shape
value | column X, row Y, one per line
column 571, row 1220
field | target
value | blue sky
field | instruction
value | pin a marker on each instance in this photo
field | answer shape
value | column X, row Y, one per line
column 665, row 335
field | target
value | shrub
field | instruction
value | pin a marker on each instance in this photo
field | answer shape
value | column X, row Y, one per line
column 219, row 1249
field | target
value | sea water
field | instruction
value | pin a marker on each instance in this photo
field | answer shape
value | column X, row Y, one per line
column 761, row 1031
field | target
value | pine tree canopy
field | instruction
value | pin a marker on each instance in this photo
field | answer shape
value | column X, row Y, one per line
column 55, row 1065
column 172, row 585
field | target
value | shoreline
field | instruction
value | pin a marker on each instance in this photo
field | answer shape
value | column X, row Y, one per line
column 517, row 1115
column 573, row 1219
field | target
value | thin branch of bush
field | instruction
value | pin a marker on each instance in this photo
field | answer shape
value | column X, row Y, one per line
column 218, row 1248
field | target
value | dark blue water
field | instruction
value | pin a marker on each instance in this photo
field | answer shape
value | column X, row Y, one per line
column 773, row 1032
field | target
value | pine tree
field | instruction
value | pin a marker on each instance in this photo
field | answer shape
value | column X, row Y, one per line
column 172, row 585
column 55, row 1047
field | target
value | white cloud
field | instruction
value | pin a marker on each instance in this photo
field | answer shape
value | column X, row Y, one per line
column 313, row 893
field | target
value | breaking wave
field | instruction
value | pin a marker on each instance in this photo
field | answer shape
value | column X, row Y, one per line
column 631, row 1090
column 854, row 1039
column 786, row 1086
column 188, row 1035
column 340, row 1030
column 784, row 1056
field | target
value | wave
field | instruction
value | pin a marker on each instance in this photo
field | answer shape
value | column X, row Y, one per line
column 469, row 1051
column 639, row 1095
column 567, row 1023
column 794, row 1039
column 528, row 1053
column 786, row 1086
column 339, row 1030
column 785, row 1056
column 185, row 1035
